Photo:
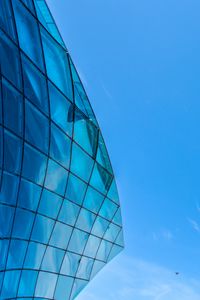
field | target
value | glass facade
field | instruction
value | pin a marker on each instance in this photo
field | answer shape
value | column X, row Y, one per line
column 60, row 219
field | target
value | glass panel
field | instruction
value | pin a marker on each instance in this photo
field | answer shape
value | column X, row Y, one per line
column 85, row 268
column 52, row 259
column 78, row 241
column 115, row 251
column 100, row 227
column 34, row 255
column 12, row 152
column 101, row 179
column 57, row 64
column 61, row 109
column 3, row 253
column 42, row 229
column 69, row 212
column 13, row 108
column 113, row 193
column 102, row 155
column 9, row 60
column 29, row 4
column 78, row 286
column 34, row 164
column 28, row 33
column 27, row 283
column 6, row 18
column 29, row 195
column 104, row 250
column 85, row 220
column 60, row 146
column 61, row 235
column 49, row 204
column 76, row 189
column 45, row 285
column 70, row 264
column 120, row 239
column 9, row 188
column 85, row 133
column 98, row 265
column 23, row 224
column 108, row 209
column 63, row 288
column 56, row 178
column 112, row 232
column 93, row 200
column 10, row 285
column 6, row 219
column 82, row 163
column 118, row 218
column 16, row 255
column 92, row 246
column 35, row 86
column 37, row 128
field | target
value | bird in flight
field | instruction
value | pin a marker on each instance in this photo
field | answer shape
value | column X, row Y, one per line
column 177, row 273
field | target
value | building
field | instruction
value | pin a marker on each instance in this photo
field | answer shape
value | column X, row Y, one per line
column 60, row 219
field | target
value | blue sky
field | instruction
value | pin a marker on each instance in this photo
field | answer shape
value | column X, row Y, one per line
column 140, row 64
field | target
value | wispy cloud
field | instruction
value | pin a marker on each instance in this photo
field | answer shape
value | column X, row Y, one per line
column 165, row 234
column 194, row 225
column 127, row 278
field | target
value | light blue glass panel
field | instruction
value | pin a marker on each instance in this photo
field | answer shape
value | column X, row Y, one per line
column 12, row 152
column 61, row 235
column 93, row 200
column 50, row 204
column 100, row 179
column 78, row 240
column 10, row 285
column 61, row 109
column 98, row 265
column 56, row 178
column 37, row 128
column 42, row 229
column 3, row 253
column 35, row 85
column 60, row 146
column 100, row 226
column 23, row 224
column 104, row 250
column 27, row 29
column 85, row 268
column 82, row 163
column 29, row 4
column 12, row 103
column 108, row 209
column 117, row 217
column 115, row 251
column 113, row 193
column 57, row 64
column 78, row 286
column 16, row 255
column 47, row 21
column 45, row 285
column 34, row 164
column 112, row 232
column 120, row 239
column 70, row 264
column 52, row 259
column 63, row 288
column 102, row 155
column 76, row 189
column 85, row 133
column 27, row 283
column 9, row 188
column 9, row 60
column 6, row 18
column 29, row 195
column 85, row 220
column 68, row 213
column 6, row 219
column 92, row 246
column 34, row 255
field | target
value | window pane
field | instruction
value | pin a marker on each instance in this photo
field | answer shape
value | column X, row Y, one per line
column 63, row 288
column 28, row 33
column 16, row 255
column 78, row 241
column 57, row 64
column 61, row 235
column 52, row 259
column 85, row 220
column 69, row 212
column 45, row 285
column 75, row 189
column 34, row 255
column 9, row 188
column 50, row 204
column 37, row 128
column 70, row 264
column 42, row 229
column 6, row 18
column 27, row 283
column 29, row 195
column 93, row 200
column 12, row 152
column 56, row 178
column 23, row 224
